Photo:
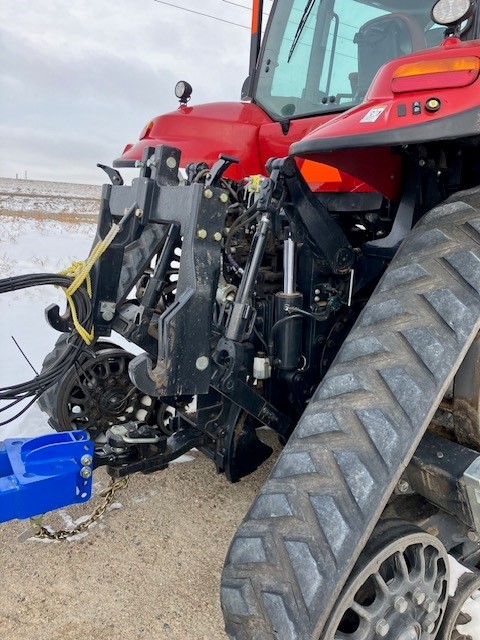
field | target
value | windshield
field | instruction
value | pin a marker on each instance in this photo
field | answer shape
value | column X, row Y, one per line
column 321, row 55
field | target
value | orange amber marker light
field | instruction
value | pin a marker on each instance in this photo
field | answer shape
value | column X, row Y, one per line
column 146, row 130
column 436, row 74
column 469, row 63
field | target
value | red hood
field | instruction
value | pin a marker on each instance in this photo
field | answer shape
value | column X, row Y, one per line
column 203, row 132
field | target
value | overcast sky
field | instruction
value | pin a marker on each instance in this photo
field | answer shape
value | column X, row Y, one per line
column 80, row 79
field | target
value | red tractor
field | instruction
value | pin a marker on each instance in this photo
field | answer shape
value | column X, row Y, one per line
column 317, row 272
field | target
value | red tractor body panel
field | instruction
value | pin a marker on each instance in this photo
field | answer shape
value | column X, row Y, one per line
column 399, row 110
column 203, row 132
column 320, row 176
column 242, row 130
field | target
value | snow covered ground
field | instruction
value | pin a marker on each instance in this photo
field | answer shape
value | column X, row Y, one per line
column 47, row 236
column 33, row 245
column 59, row 200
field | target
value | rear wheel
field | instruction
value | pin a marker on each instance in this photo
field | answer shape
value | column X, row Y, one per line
column 97, row 393
column 398, row 588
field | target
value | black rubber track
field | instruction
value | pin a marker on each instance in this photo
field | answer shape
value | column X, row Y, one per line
column 306, row 528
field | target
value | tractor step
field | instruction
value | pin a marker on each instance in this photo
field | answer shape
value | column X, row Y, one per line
column 300, row 539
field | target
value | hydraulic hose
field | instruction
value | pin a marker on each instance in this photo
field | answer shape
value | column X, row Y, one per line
column 14, row 394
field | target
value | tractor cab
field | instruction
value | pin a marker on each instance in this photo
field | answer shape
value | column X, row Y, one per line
column 321, row 57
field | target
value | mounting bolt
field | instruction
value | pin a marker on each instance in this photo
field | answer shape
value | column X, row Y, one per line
column 400, row 604
column 202, row 363
column 382, row 628
column 171, row 162
column 429, row 605
column 85, row 472
column 217, row 236
column 107, row 310
column 139, row 213
column 418, row 596
column 428, row 625
column 223, row 197
column 202, row 234
column 473, row 536
column 403, row 486
column 208, row 193
column 86, row 460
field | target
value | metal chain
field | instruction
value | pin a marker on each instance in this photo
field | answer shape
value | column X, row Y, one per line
column 38, row 530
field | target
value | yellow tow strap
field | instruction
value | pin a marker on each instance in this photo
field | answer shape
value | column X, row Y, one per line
column 80, row 272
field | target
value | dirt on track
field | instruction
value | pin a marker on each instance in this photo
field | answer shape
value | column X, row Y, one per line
column 148, row 570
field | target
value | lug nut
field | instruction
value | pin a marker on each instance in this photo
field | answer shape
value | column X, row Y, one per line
column 428, row 625
column 429, row 605
column 403, row 486
column 85, row 472
column 382, row 628
column 418, row 596
column 202, row 234
column 223, row 197
column 86, row 460
column 217, row 236
column 400, row 604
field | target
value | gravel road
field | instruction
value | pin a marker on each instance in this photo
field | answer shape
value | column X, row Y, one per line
column 150, row 569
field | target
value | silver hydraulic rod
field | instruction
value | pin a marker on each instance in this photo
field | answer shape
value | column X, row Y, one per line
column 288, row 263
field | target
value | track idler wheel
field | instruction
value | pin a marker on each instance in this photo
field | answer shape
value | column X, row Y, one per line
column 398, row 589
column 460, row 609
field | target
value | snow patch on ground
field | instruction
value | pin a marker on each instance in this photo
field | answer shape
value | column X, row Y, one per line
column 472, row 605
column 33, row 246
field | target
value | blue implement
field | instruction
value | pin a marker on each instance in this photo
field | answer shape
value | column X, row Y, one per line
column 44, row 473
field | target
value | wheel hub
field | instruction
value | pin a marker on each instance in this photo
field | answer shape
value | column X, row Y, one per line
column 114, row 402
column 397, row 591
column 98, row 393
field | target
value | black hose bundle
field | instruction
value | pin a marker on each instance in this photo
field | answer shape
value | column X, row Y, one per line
column 41, row 382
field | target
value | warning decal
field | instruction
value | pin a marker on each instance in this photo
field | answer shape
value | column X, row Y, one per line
column 373, row 114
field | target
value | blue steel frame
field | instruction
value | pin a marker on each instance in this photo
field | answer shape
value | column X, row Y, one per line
column 41, row 474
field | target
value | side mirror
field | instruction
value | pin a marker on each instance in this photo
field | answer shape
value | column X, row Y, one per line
column 247, row 89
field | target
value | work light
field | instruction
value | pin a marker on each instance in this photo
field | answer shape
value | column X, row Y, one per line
column 450, row 12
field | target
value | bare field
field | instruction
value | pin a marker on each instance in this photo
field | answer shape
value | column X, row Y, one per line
column 57, row 200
